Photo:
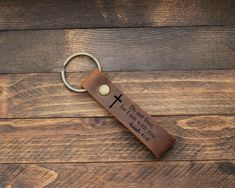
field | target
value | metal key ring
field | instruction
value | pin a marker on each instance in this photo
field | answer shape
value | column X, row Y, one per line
column 63, row 72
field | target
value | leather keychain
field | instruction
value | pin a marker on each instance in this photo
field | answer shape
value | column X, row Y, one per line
column 141, row 124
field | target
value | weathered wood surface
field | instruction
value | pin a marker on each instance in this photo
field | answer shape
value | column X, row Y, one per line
column 51, row 137
column 25, row 176
column 158, row 93
column 148, row 174
column 105, row 139
column 170, row 48
column 44, row 14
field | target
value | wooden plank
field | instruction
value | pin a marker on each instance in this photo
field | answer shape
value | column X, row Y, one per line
column 22, row 176
column 15, row 15
column 105, row 139
column 158, row 93
column 169, row 48
column 149, row 174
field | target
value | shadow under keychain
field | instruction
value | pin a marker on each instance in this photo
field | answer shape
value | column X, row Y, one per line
column 141, row 124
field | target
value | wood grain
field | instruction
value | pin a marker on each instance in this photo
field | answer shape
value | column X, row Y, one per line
column 129, row 49
column 149, row 174
column 51, row 137
column 23, row 176
column 158, row 93
column 105, row 139
column 44, row 14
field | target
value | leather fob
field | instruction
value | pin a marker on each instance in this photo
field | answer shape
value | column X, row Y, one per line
column 141, row 124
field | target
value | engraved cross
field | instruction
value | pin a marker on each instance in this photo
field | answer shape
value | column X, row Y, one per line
column 117, row 99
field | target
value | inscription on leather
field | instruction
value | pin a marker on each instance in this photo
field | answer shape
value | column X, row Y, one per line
column 141, row 124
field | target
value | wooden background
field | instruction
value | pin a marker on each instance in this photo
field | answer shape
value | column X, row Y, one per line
column 175, row 58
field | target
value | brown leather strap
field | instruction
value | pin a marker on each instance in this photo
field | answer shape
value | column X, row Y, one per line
column 141, row 124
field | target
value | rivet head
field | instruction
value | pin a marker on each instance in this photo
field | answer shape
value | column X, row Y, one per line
column 104, row 89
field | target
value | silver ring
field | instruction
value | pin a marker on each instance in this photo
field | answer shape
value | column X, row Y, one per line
column 63, row 72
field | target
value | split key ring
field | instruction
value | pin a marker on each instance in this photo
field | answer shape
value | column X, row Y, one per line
column 63, row 72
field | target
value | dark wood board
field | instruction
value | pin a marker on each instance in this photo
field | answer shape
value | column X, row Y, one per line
column 148, row 174
column 156, row 92
column 123, row 49
column 45, row 14
column 105, row 139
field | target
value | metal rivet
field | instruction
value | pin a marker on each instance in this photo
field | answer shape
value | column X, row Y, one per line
column 104, row 89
